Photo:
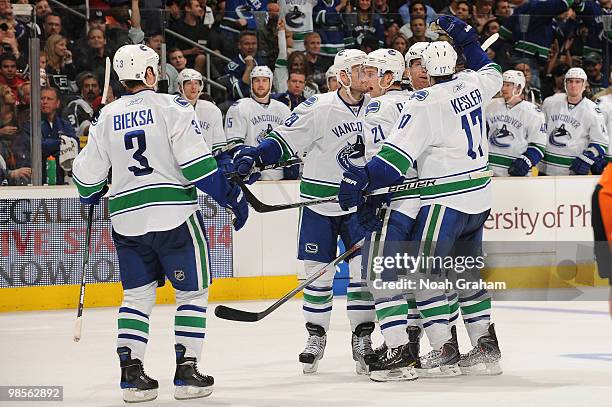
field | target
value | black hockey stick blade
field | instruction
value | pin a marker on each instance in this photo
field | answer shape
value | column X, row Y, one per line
column 282, row 164
column 233, row 314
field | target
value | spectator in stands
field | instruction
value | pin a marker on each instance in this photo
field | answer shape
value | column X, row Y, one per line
column 317, row 64
column 400, row 43
column 23, row 108
column 8, row 74
column 174, row 12
column 191, row 27
column 592, row 64
column 177, row 59
column 80, row 111
column 418, row 29
column 60, row 70
column 330, row 26
column 367, row 23
column 154, row 42
column 391, row 30
column 297, row 62
column 416, row 8
column 8, row 119
column 553, row 82
column 93, row 57
column 463, row 11
column 295, row 90
column 418, row 11
column 482, row 13
column 532, row 91
column 41, row 9
column 450, row 9
column 502, row 10
column 9, row 42
column 52, row 25
column 239, row 68
column 12, row 144
column 53, row 129
column 381, row 7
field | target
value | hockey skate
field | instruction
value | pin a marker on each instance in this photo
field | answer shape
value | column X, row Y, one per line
column 483, row 360
column 394, row 366
column 315, row 348
column 442, row 362
column 361, row 342
column 137, row 386
column 190, row 384
column 414, row 345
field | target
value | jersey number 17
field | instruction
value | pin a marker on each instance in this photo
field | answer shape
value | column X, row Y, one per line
column 467, row 124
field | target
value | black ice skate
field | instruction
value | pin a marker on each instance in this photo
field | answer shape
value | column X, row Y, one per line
column 442, row 362
column 315, row 348
column 361, row 342
column 414, row 345
column 136, row 385
column 483, row 360
column 394, row 366
column 190, row 384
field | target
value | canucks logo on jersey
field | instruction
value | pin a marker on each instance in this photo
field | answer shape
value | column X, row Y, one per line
column 559, row 136
column 500, row 134
column 262, row 134
column 295, row 18
column 352, row 155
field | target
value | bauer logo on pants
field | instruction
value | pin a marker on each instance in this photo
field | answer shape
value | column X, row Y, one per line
column 179, row 275
column 312, row 248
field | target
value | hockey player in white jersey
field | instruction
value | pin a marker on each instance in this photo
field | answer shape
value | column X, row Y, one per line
column 250, row 120
column 442, row 127
column 517, row 129
column 331, row 77
column 417, row 76
column 190, row 85
column 328, row 128
column 154, row 144
column 577, row 136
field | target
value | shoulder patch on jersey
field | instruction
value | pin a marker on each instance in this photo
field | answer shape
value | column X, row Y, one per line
column 232, row 66
column 180, row 101
column 373, row 107
column 419, row 95
column 310, row 101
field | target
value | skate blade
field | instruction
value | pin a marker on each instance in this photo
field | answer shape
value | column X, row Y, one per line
column 192, row 392
column 440, row 372
column 402, row 374
column 139, row 396
column 309, row 368
column 362, row 368
column 482, row 369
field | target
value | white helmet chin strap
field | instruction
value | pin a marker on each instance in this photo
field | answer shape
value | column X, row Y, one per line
column 264, row 99
column 347, row 89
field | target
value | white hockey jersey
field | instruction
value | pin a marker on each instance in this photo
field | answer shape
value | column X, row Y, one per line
column 211, row 123
column 380, row 116
column 511, row 130
column 570, row 131
column 298, row 18
column 330, row 132
column 443, row 128
column 605, row 104
column 155, row 146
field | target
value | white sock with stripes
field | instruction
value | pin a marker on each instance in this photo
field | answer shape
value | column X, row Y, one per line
column 434, row 310
column 133, row 319
column 318, row 296
column 359, row 300
column 391, row 313
column 190, row 321
column 476, row 310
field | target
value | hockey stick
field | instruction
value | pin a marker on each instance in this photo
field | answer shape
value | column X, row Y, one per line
column 262, row 207
column 282, row 164
column 79, row 321
column 234, row 314
column 489, row 41
column 107, row 73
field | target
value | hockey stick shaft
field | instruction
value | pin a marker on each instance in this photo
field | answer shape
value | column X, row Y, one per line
column 489, row 41
column 107, row 73
column 79, row 321
column 261, row 207
column 234, row 314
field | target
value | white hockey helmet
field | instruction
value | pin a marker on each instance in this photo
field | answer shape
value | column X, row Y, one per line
column 189, row 74
column 348, row 58
column 415, row 51
column 386, row 60
column 131, row 63
column 439, row 59
column 331, row 72
column 575, row 73
column 515, row 77
column 261, row 71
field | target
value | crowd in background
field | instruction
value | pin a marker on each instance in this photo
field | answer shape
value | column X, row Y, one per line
column 296, row 39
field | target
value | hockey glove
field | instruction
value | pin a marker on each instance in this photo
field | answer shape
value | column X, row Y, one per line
column 94, row 199
column 239, row 206
column 351, row 190
column 461, row 33
column 224, row 162
column 522, row 165
column 582, row 164
column 244, row 163
column 598, row 166
column 291, row 172
column 367, row 214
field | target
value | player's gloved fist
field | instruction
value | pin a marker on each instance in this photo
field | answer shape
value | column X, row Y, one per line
column 598, row 166
column 244, row 162
column 582, row 164
column 291, row 172
column 94, row 199
column 354, row 182
column 461, row 33
column 367, row 214
column 224, row 162
column 239, row 206
column 520, row 167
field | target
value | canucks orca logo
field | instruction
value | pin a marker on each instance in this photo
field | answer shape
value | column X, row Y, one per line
column 373, row 107
column 499, row 134
column 419, row 95
column 244, row 12
column 181, row 102
column 559, row 133
column 352, row 155
column 262, row 134
column 295, row 18
column 310, row 101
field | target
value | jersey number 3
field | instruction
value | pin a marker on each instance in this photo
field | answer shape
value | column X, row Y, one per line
column 141, row 142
